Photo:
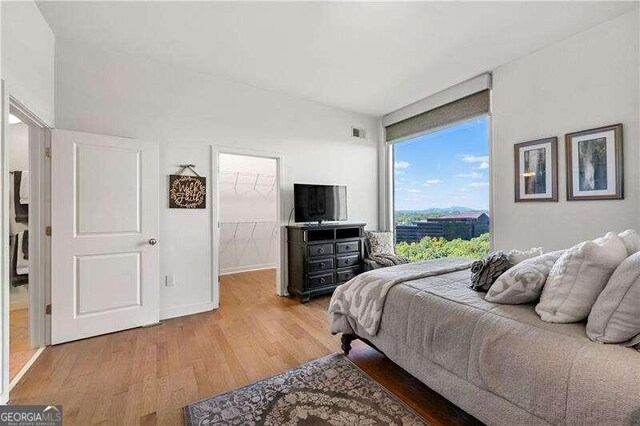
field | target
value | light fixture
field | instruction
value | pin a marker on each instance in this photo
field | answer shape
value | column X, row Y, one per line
column 13, row 119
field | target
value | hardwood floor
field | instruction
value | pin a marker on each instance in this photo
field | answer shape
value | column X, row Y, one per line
column 146, row 375
column 20, row 350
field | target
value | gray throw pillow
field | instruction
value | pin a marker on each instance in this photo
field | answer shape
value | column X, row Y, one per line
column 484, row 272
column 615, row 317
column 379, row 242
column 523, row 283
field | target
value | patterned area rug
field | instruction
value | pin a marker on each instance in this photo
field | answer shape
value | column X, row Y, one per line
column 327, row 391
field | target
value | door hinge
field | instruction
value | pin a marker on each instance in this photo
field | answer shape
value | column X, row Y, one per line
column 47, row 309
column 47, row 152
column 47, row 231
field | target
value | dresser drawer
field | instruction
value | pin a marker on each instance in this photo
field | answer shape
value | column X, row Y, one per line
column 320, row 265
column 348, row 247
column 346, row 261
column 316, row 250
column 347, row 274
column 321, row 280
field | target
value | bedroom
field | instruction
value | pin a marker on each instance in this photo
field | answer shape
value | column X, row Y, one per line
column 196, row 78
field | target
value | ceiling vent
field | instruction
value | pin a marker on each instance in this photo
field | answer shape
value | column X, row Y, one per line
column 358, row 133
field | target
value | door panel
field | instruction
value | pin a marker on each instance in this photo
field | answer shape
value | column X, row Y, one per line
column 105, row 206
column 97, row 185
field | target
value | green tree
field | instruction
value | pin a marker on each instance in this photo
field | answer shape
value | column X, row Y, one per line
column 435, row 248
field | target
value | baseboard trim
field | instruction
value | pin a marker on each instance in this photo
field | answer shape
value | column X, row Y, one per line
column 229, row 271
column 25, row 368
column 180, row 311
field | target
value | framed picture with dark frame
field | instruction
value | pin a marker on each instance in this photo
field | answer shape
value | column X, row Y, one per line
column 536, row 170
column 595, row 164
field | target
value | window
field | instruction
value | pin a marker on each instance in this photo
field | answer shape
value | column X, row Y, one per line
column 441, row 192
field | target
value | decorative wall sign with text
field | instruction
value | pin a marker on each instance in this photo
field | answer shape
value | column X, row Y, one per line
column 187, row 192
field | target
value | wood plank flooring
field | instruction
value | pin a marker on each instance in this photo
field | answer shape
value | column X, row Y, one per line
column 146, row 375
column 20, row 350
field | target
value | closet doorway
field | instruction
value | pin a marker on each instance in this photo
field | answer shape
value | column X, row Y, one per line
column 248, row 212
column 25, row 156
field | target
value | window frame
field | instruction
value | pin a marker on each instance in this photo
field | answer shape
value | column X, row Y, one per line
column 389, row 189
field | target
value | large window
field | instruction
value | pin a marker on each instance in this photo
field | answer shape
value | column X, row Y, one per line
column 441, row 192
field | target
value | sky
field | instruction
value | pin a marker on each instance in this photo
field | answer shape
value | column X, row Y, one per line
column 446, row 168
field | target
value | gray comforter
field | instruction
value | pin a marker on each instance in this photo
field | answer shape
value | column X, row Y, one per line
column 362, row 298
column 502, row 363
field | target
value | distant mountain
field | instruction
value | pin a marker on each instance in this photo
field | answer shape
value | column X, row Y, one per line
column 443, row 210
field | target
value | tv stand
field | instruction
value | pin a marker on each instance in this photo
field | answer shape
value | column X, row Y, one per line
column 321, row 257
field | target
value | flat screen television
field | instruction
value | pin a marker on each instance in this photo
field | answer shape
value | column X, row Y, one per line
column 318, row 203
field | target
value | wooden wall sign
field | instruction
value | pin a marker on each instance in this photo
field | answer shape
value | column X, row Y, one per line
column 187, row 192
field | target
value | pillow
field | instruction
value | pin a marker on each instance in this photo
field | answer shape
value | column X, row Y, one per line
column 379, row 242
column 615, row 317
column 517, row 256
column 631, row 240
column 578, row 277
column 484, row 272
column 523, row 283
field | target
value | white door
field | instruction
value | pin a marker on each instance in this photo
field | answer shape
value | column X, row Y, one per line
column 104, row 218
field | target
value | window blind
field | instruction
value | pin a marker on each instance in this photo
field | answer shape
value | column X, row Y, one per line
column 465, row 108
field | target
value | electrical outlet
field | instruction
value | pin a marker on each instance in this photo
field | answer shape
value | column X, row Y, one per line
column 169, row 280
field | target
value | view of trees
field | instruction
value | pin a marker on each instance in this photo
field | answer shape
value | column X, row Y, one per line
column 435, row 248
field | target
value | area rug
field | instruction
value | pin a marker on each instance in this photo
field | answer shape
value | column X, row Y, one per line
column 328, row 391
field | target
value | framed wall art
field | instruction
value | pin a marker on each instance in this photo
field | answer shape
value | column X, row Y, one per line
column 187, row 192
column 595, row 164
column 536, row 170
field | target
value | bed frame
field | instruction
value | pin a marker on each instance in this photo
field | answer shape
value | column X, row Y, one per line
column 347, row 338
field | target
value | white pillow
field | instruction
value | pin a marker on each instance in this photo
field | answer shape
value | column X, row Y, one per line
column 631, row 240
column 615, row 317
column 517, row 256
column 578, row 277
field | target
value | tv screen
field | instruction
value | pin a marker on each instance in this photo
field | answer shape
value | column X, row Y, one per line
column 317, row 203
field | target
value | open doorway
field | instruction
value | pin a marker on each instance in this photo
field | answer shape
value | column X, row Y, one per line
column 248, row 217
column 27, row 190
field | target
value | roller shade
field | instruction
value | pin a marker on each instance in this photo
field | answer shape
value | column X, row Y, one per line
column 462, row 109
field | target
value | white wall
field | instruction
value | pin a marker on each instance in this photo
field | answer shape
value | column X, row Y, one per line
column 18, row 141
column 587, row 81
column 117, row 94
column 248, row 213
column 28, row 48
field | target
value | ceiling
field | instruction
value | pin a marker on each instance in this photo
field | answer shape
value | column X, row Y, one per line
column 370, row 58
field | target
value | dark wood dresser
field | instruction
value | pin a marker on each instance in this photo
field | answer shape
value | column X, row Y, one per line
column 321, row 257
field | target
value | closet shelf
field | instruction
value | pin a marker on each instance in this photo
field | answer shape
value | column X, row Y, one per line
column 255, row 223
column 255, row 178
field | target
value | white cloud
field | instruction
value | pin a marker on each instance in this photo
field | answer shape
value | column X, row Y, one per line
column 479, row 184
column 483, row 165
column 413, row 191
column 431, row 182
column 475, row 158
column 472, row 175
column 399, row 165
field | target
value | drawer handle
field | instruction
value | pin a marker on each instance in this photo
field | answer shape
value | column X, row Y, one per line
column 347, row 247
column 322, row 280
column 322, row 264
column 321, row 250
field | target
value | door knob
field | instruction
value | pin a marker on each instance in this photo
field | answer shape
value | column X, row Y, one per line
column 153, row 241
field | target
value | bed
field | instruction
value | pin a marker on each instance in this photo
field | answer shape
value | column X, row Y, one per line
column 500, row 363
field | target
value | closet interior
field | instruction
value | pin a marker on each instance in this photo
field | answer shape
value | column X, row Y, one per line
column 248, row 209
column 21, row 347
